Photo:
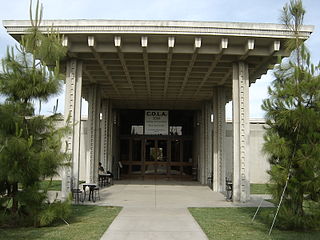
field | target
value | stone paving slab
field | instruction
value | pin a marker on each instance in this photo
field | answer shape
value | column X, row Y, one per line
column 154, row 223
column 170, row 194
column 157, row 210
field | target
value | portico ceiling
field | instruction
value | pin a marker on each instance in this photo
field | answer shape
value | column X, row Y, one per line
column 165, row 63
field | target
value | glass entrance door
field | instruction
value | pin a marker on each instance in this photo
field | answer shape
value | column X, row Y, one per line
column 156, row 157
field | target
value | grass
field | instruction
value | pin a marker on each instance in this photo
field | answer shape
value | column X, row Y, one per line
column 235, row 223
column 86, row 222
column 55, row 185
column 256, row 188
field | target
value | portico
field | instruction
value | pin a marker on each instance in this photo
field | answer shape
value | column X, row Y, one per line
column 190, row 68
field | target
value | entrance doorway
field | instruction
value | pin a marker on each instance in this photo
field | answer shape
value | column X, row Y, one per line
column 156, row 157
column 162, row 156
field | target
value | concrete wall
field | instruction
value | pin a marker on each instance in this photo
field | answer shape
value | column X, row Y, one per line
column 258, row 160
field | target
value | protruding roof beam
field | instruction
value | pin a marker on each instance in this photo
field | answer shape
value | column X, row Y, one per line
column 168, row 66
column 197, row 45
column 171, row 42
column 274, row 47
column 117, row 41
column 144, row 45
column 92, row 45
column 223, row 46
column 65, row 41
column 91, row 41
column 117, row 44
column 197, row 42
column 144, row 41
column 248, row 47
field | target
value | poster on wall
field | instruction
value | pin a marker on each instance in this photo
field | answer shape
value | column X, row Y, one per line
column 156, row 122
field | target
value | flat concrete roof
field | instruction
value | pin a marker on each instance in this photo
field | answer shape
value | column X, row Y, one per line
column 156, row 64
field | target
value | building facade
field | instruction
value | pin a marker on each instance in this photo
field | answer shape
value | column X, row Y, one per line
column 157, row 92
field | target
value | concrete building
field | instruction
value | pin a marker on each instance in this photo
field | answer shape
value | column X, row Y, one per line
column 157, row 92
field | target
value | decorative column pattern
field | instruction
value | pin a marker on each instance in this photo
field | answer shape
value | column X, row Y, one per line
column 202, row 147
column 209, row 156
column 110, row 138
column 205, row 162
column 205, row 143
column 219, row 121
column 197, row 145
column 240, row 109
column 72, row 115
column 93, row 133
column 104, row 132
column 106, row 146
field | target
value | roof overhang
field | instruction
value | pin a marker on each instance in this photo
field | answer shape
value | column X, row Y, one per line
column 165, row 64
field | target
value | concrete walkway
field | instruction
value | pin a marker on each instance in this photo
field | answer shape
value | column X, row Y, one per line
column 158, row 209
column 154, row 223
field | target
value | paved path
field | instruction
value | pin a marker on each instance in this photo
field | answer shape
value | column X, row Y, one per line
column 156, row 210
column 154, row 223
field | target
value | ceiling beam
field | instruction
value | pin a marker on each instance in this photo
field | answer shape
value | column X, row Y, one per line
column 197, row 45
column 144, row 45
column 168, row 65
column 117, row 44
column 225, row 78
column 87, row 73
column 92, row 45
column 247, row 49
column 223, row 47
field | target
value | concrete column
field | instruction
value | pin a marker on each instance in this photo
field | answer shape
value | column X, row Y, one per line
column 205, row 143
column 106, row 133
column 72, row 115
column 111, row 139
column 240, row 113
column 196, row 144
column 219, row 130
column 205, row 161
column 209, row 156
column 93, row 134
column 202, row 147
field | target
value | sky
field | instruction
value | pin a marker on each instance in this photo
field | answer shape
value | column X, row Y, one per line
column 259, row 11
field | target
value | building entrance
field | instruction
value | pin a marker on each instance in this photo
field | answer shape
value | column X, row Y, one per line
column 157, row 156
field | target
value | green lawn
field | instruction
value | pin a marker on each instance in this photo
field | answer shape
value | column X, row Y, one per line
column 258, row 188
column 86, row 222
column 254, row 188
column 235, row 223
column 55, row 185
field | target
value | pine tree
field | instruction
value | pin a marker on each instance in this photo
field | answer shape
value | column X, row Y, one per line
column 30, row 145
column 292, row 138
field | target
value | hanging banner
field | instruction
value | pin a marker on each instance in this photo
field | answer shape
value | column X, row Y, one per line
column 156, row 122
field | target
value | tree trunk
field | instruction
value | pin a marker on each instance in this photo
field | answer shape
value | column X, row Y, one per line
column 15, row 202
